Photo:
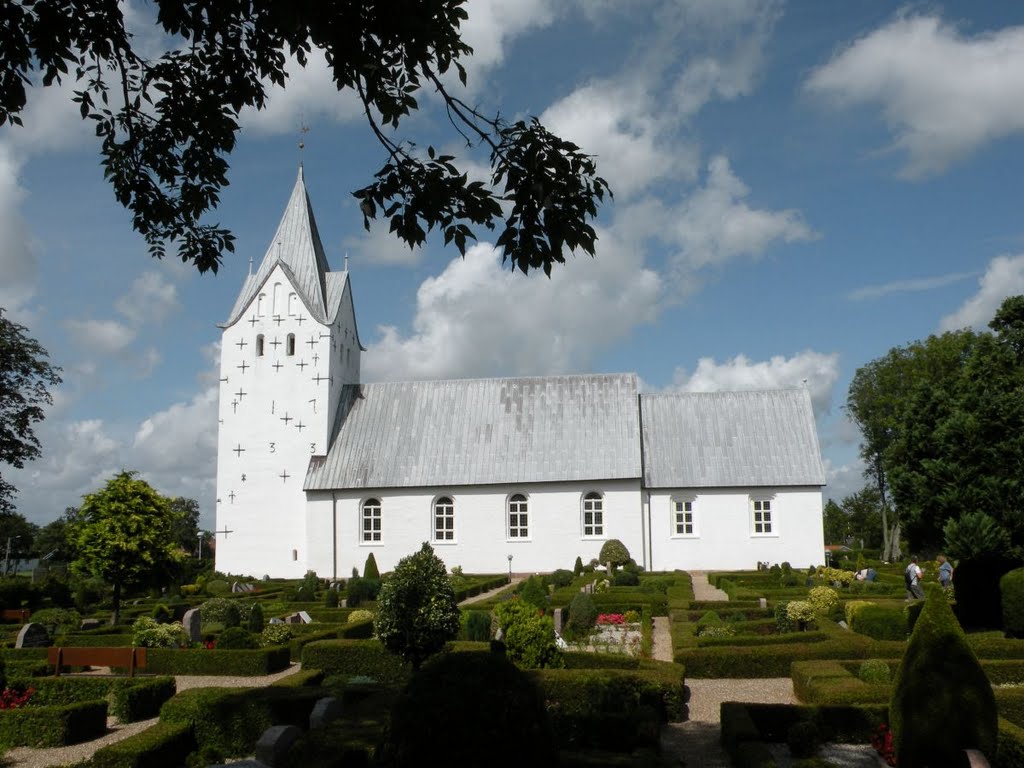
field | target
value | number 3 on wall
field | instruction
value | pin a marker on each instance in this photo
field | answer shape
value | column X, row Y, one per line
column 272, row 448
column 312, row 447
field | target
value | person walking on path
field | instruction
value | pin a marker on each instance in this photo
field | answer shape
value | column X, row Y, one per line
column 912, row 576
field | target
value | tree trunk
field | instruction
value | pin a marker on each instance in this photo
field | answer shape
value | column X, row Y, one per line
column 116, row 618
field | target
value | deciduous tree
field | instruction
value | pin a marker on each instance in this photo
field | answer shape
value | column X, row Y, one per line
column 167, row 125
column 25, row 379
column 417, row 612
column 124, row 535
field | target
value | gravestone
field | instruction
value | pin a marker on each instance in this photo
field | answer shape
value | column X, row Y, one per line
column 90, row 624
column 241, row 586
column 276, row 620
column 762, row 602
column 305, row 617
column 32, row 635
column 558, row 615
column 324, row 711
column 275, row 742
column 193, row 624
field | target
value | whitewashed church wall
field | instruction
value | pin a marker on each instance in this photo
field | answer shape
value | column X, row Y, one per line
column 481, row 543
column 724, row 536
column 273, row 416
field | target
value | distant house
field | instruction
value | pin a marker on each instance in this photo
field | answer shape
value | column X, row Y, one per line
column 316, row 469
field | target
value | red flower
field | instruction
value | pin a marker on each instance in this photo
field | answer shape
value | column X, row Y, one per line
column 882, row 742
column 611, row 618
column 11, row 698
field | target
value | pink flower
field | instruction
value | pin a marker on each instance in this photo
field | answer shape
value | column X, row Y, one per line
column 611, row 618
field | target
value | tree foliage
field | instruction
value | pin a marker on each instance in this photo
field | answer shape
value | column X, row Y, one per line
column 417, row 612
column 124, row 535
column 25, row 378
column 614, row 553
column 167, row 125
column 942, row 423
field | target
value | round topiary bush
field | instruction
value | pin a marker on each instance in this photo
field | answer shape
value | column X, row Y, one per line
column 874, row 671
column 561, row 577
column 220, row 610
column 582, row 616
column 488, row 710
column 237, row 638
column 1012, row 588
column 613, row 551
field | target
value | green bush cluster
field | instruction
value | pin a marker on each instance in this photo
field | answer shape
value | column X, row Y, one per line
column 220, row 610
column 148, row 633
column 874, row 671
column 246, row 663
column 583, row 615
column 237, row 638
column 348, row 658
column 53, row 726
column 163, row 744
column 823, row 599
column 58, row 622
column 880, row 622
column 1011, row 587
column 529, row 637
column 475, row 625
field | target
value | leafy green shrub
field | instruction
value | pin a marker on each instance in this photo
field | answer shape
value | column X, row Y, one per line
column 161, row 613
column 626, row 578
column 803, row 738
column 476, row 625
column 361, row 591
column 852, row 607
column 614, row 552
column 582, row 616
column 220, row 610
column 370, row 568
column 874, row 671
column 824, row 599
column 360, row 615
column 942, row 702
column 255, row 618
column 880, row 622
column 631, row 617
column 1011, row 587
column 147, row 633
column 162, row 744
column 532, row 591
column 275, row 634
column 529, row 637
column 53, row 726
column 488, row 709
column 561, row 577
column 58, row 622
column 331, row 599
column 577, row 569
column 236, row 638
column 801, row 612
column 782, row 621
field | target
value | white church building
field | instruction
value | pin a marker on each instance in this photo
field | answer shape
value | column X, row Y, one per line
column 316, row 469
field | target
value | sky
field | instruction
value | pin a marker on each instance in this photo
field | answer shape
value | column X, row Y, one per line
column 798, row 188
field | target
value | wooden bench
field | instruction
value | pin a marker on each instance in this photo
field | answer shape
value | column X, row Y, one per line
column 130, row 658
column 15, row 614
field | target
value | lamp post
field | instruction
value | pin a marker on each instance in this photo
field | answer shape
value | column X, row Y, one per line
column 510, row 569
column 202, row 535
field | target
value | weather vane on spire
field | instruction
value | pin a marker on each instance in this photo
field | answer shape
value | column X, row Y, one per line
column 303, row 130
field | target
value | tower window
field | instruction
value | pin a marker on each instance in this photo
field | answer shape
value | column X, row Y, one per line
column 261, row 305
column 292, row 304
column 277, row 299
column 259, row 345
column 289, row 347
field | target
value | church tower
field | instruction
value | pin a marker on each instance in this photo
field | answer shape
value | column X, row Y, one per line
column 287, row 348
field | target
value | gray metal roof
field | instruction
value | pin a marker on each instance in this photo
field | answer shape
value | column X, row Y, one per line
column 296, row 245
column 483, row 431
column 724, row 439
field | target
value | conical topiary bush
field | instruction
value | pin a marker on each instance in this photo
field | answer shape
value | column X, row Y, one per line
column 942, row 702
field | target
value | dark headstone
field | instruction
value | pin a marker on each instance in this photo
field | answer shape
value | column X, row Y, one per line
column 32, row 635
column 90, row 624
column 324, row 711
column 193, row 624
column 274, row 744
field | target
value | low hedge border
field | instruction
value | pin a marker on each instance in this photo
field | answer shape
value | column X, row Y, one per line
column 350, row 658
column 743, row 640
column 231, row 720
column 748, row 728
column 53, row 726
column 164, row 745
column 129, row 698
column 1009, row 745
column 242, row 663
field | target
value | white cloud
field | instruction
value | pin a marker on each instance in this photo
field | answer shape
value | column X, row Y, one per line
column 492, row 24
column 943, row 94
column 1004, row 277
column 17, row 257
column 479, row 319
column 151, row 299
column 842, row 480
column 379, row 246
column 820, row 371
column 103, row 337
column 908, row 286
column 615, row 121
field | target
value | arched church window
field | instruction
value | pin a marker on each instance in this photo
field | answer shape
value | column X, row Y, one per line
column 277, row 299
column 289, row 347
column 292, row 304
column 444, row 519
column 371, row 520
column 593, row 514
column 259, row 345
column 261, row 305
column 518, row 520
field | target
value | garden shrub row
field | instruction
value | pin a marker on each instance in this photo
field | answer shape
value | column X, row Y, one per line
column 351, row 658
column 53, row 726
column 743, row 641
column 243, row 663
column 129, row 698
column 82, row 640
column 164, row 745
column 748, row 728
column 229, row 721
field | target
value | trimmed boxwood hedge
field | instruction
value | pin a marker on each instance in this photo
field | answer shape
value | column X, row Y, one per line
column 242, row 663
column 53, row 726
column 367, row 658
column 231, row 720
column 129, row 698
column 880, row 622
column 165, row 745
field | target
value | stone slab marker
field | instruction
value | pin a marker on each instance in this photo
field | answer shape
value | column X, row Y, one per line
column 275, row 742
column 193, row 624
column 32, row 636
column 559, row 619
column 324, row 711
